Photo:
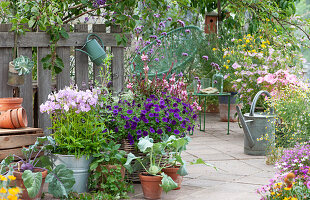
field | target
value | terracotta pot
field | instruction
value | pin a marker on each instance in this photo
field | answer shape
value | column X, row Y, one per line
column 150, row 185
column 20, row 183
column 10, row 103
column 22, row 117
column 172, row 172
column 14, row 118
column 6, row 120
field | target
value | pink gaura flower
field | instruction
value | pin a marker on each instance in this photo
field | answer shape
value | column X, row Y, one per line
column 260, row 80
column 144, row 57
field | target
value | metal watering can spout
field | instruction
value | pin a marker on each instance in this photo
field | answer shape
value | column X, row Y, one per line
column 245, row 127
column 93, row 49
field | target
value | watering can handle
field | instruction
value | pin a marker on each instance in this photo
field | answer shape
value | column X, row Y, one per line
column 93, row 34
column 83, row 51
column 255, row 100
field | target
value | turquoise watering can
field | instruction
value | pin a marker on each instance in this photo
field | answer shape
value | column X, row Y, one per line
column 94, row 50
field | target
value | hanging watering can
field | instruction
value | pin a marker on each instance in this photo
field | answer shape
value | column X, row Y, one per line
column 93, row 49
column 257, row 126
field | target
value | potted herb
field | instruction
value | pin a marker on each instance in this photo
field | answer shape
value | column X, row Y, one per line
column 77, row 135
column 153, row 181
column 31, row 178
column 18, row 68
column 107, row 171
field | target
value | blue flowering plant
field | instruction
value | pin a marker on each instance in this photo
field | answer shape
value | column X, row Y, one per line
column 153, row 116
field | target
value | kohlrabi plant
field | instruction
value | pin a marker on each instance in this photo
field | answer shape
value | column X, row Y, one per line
column 23, row 65
column 60, row 178
column 154, row 155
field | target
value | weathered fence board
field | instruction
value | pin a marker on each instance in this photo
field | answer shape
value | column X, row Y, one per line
column 5, row 58
column 40, row 39
column 26, row 91
column 44, row 87
column 96, row 69
column 81, row 61
column 117, row 63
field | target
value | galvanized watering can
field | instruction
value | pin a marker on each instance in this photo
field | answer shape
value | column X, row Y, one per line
column 93, row 49
column 257, row 126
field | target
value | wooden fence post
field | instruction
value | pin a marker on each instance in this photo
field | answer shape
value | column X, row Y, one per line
column 5, row 58
column 81, row 60
column 117, row 64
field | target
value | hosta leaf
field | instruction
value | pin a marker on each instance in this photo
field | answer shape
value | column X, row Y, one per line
column 60, row 181
column 32, row 182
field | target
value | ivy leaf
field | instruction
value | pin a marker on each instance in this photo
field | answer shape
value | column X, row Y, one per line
column 136, row 17
column 32, row 182
column 167, row 183
column 46, row 58
column 60, row 181
column 200, row 161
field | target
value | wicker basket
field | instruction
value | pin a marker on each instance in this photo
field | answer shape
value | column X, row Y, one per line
column 126, row 146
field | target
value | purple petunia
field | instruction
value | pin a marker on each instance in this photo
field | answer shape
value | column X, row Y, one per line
column 129, row 112
column 184, row 54
column 145, row 133
column 168, row 128
column 159, row 131
column 165, row 119
column 173, row 122
column 116, row 129
column 151, row 114
column 152, row 130
column 176, row 131
column 130, row 138
column 157, row 109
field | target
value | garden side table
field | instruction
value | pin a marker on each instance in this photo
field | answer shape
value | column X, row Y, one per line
column 202, row 96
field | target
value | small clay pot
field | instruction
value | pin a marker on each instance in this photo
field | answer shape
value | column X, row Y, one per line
column 20, row 183
column 172, row 172
column 151, row 185
column 10, row 103
column 6, row 120
column 13, row 78
column 22, row 117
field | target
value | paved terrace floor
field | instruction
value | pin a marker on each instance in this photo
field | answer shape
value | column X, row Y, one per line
column 238, row 175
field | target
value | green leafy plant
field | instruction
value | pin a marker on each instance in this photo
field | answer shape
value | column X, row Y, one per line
column 107, row 172
column 154, row 154
column 60, row 178
column 23, row 65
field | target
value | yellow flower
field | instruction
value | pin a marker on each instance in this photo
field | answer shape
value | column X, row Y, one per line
column 2, row 178
column 240, row 40
column 287, row 188
column 249, row 35
column 285, row 198
column 267, row 19
column 244, row 45
column 294, row 198
column 260, row 37
column 224, row 56
column 268, row 42
column 14, row 191
column 263, row 46
column 3, row 190
column 12, row 197
column 272, row 193
column 12, row 178
column 214, row 49
column 275, row 30
column 247, row 41
column 228, row 61
column 226, row 66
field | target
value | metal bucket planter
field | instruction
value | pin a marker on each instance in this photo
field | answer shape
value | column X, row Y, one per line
column 79, row 167
column 223, row 107
column 257, row 126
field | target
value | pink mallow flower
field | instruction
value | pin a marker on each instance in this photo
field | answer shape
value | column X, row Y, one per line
column 144, row 57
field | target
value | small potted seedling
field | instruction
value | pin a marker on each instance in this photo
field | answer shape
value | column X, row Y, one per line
column 18, row 68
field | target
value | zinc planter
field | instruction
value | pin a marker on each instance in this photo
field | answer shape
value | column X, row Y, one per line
column 223, row 107
column 172, row 172
column 79, row 166
column 20, row 183
column 150, row 185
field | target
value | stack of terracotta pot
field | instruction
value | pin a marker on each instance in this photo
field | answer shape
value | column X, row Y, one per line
column 12, row 114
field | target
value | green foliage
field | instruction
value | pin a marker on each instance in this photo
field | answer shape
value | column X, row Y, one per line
column 60, row 181
column 106, row 171
column 23, row 65
column 167, row 183
column 32, row 182
column 91, row 196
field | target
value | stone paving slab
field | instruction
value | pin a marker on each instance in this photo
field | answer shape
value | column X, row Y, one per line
column 238, row 175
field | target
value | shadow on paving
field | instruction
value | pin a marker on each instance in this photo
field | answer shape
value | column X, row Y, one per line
column 237, row 176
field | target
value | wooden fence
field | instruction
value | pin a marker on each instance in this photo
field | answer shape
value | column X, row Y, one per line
column 35, row 93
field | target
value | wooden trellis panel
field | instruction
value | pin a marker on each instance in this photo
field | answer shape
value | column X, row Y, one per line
column 35, row 92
